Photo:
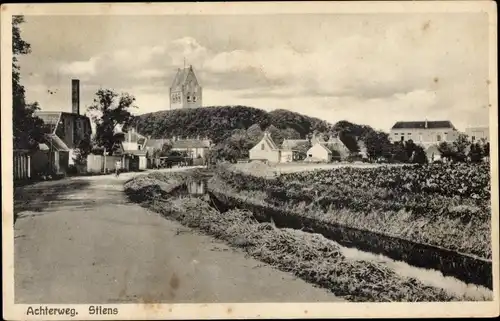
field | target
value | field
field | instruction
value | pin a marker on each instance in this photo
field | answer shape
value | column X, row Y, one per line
column 261, row 169
column 436, row 216
column 282, row 220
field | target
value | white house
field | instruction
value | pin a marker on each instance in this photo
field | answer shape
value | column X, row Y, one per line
column 477, row 133
column 326, row 151
column 133, row 140
column 266, row 149
column 319, row 152
column 424, row 133
column 195, row 148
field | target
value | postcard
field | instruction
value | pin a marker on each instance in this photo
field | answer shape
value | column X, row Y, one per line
column 249, row 160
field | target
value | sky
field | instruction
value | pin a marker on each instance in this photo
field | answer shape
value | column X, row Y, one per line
column 372, row 69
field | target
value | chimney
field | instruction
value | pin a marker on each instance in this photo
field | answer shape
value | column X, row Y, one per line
column 75, row 96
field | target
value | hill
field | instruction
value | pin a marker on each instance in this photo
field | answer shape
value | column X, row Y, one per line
column 236, row 129
column 218, row 123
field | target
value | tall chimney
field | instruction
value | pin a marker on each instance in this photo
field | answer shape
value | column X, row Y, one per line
column 75, row 96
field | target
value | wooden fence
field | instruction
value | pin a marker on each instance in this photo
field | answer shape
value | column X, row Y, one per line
column 103, row 164
column 21, row 165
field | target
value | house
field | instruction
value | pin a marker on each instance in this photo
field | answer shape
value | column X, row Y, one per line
column 194, row 148
column 185, row 91
column 326, row 151
column 266, row 150
column 133, row 140
column 64, row 132
column 478, row 133
column 424, row 133
column 151, row 144
column 320, row 153
column 133, row 148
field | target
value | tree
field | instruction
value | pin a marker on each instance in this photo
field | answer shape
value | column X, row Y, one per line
column 419, row 155
column 399, row 153
column 166, row 148
column 460, row 146
column 108, row 111
column 410, row 147
column 485, row 147
column 82, row 151
column 255, row 133
column 302, row 148
column 290, row 133
column 27, row 128
column 446, row 150
column 475, row 153
column 276, row 134
column 377, row 144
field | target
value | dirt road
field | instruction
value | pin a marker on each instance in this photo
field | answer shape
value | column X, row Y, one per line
column 78, row 240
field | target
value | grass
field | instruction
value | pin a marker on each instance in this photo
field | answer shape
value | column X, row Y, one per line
column 348, row 273
column 397, row 235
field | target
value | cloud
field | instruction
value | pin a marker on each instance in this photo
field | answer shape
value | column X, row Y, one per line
column 83, row 69
column 398, row 69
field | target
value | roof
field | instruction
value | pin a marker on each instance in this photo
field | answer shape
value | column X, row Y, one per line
column 423, row 124
column 50, row 120
column 292, row 143
column 136, row 152
column 156, row 143
column 52, row 141
column 267, row 137
column 191, row 143
column 323, row 145
column 335, row 144
column 181, row 76
column 478, row 128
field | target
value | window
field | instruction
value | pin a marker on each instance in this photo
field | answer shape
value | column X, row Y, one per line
column 262, row 147
column 194, row 98
column 438, row 138
column 396, row 133
column 402, row 138
column 473, row 138
column 409, row 134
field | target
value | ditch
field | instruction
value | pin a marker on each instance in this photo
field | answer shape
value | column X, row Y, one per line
column 421, row 262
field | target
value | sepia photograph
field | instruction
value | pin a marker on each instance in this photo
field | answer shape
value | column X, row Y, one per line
column 229, row 160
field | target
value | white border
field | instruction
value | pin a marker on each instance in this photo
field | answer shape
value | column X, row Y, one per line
column 268, row 310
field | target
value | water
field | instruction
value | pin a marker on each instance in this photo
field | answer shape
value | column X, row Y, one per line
column 198, row 188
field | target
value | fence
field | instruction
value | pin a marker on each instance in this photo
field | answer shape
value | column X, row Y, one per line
column 100, row 163
column 21, row 165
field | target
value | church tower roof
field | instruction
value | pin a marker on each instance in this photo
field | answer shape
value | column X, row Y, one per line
column 182, row 75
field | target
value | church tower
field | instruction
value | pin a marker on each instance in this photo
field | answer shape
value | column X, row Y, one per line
column 185, row 91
